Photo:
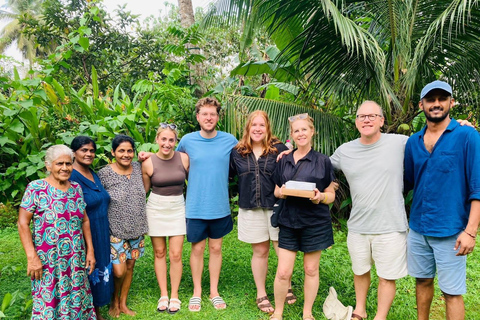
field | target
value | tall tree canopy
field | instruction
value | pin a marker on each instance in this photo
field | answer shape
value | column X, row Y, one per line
column 387, row 51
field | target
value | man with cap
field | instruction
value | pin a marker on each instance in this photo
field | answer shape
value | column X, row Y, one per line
column 442, row 165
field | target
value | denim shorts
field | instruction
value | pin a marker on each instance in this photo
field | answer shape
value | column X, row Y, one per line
column 201, row 229
column 429, row 255
column 122, row 250
column 307, row 239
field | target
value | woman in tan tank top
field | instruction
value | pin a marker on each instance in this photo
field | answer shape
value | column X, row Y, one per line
column 165, row 173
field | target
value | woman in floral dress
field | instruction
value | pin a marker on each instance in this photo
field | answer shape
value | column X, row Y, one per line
column 60, row 250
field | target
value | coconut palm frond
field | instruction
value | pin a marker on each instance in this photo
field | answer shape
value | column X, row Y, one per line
column 331, row 131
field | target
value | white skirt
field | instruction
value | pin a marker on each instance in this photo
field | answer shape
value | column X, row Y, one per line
column 166, row 215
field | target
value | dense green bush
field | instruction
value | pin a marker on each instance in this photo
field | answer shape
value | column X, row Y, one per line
column 8, row 215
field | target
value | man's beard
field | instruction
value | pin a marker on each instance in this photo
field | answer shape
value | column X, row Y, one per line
column 436, row 119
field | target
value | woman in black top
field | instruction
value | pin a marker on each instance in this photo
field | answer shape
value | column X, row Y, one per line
column 305, row 224
column 254, row 159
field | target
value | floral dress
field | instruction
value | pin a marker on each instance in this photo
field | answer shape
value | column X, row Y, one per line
column 63, row 291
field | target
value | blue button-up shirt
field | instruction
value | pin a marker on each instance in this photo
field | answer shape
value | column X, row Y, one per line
column 445, row 181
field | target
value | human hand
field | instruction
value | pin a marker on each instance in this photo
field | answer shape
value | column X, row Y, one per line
column 465, row 123
column 283, row 153
column 464, row 244
column 34, row 267
column 317, row 197
column 90, row 261
column 144, row 155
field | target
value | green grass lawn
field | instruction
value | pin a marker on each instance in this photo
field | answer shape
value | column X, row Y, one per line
column 237, row 286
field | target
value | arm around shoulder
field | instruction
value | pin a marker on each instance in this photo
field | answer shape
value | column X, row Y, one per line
column 185, row 160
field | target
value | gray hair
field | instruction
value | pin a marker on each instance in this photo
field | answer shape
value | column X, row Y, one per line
column 55, row 152
column 380, row 110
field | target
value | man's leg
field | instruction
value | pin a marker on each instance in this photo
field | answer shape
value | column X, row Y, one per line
column 424, row 291
column 455, row 307
column 215, row 266
column 362, row 283
column 386, row 294
column 196, row 265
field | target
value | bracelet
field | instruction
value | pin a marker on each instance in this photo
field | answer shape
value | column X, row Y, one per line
column 324, row 201
column 471, row 235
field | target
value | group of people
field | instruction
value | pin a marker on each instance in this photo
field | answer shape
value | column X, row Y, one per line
column 89, row 230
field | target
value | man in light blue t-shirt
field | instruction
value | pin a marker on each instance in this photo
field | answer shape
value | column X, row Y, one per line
column 207, row 205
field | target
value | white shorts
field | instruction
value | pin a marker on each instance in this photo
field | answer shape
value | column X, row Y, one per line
column 388, row 251
column 254, row 226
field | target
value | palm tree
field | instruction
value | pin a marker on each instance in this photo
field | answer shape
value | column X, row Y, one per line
column 13, row 31
column 351, row 50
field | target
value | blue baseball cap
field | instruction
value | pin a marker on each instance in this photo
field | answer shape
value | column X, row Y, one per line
column 437, row 84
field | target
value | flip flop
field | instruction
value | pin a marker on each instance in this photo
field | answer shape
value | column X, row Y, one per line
column 356, row 316
column 193, row 302
column 310, row 317
column 174, row 303
column 162, row 302
column 217, row 301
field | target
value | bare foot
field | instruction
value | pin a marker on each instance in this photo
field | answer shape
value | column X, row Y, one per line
column 127, row 311
column 114, row 310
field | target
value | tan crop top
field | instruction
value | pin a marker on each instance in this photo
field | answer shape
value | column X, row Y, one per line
column 168, row 178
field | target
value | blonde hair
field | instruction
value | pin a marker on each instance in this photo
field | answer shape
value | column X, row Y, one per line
column 244, row 146
column 308, row 119
column 160, row 130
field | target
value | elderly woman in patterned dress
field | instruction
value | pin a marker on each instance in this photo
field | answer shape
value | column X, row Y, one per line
column 60, row 251
column 127, row 217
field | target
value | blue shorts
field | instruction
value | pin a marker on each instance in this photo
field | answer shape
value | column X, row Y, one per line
column 308, row 239
column 428, row 255
column 201, row 229
column 123, row 250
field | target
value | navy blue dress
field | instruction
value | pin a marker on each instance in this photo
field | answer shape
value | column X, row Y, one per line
column 97, row 200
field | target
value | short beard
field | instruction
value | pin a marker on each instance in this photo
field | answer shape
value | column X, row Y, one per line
column 436, row 120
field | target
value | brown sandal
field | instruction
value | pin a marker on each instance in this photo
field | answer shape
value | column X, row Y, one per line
column 356, row 316
column 290, row 298
column 264, row 305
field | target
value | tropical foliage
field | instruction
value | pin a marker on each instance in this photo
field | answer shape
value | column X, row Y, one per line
column 349, row 51
column 17, row 12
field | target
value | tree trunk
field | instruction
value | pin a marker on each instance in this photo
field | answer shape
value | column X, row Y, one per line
column 187, row 17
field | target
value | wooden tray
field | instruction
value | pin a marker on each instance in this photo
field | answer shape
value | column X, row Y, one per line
column 298, row 193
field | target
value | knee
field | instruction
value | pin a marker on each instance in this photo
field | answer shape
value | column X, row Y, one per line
column 215, row 250
column 284, row 274
column 160, row 253
column 385, row 282
column 311, row 271
column 175, row 256
column 424, row 282
column 260, row 253
column 120, row 272
column 452, row 297
column 198, row 250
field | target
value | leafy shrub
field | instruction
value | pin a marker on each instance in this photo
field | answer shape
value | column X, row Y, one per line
column 8, row 215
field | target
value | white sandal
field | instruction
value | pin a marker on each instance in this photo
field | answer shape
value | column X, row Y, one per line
column 175, row 304
column 162, row 303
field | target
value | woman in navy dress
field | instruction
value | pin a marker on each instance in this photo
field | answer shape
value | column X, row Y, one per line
column 97, row 200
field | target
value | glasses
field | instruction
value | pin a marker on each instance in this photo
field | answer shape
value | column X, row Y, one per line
column 371, row 117
column 301, row 116
column 172, row 126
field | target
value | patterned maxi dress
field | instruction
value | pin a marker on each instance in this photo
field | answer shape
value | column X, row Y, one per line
column 63, row 291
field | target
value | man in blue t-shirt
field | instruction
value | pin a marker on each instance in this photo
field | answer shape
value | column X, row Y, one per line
column 442, row 165
column 207, row 204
